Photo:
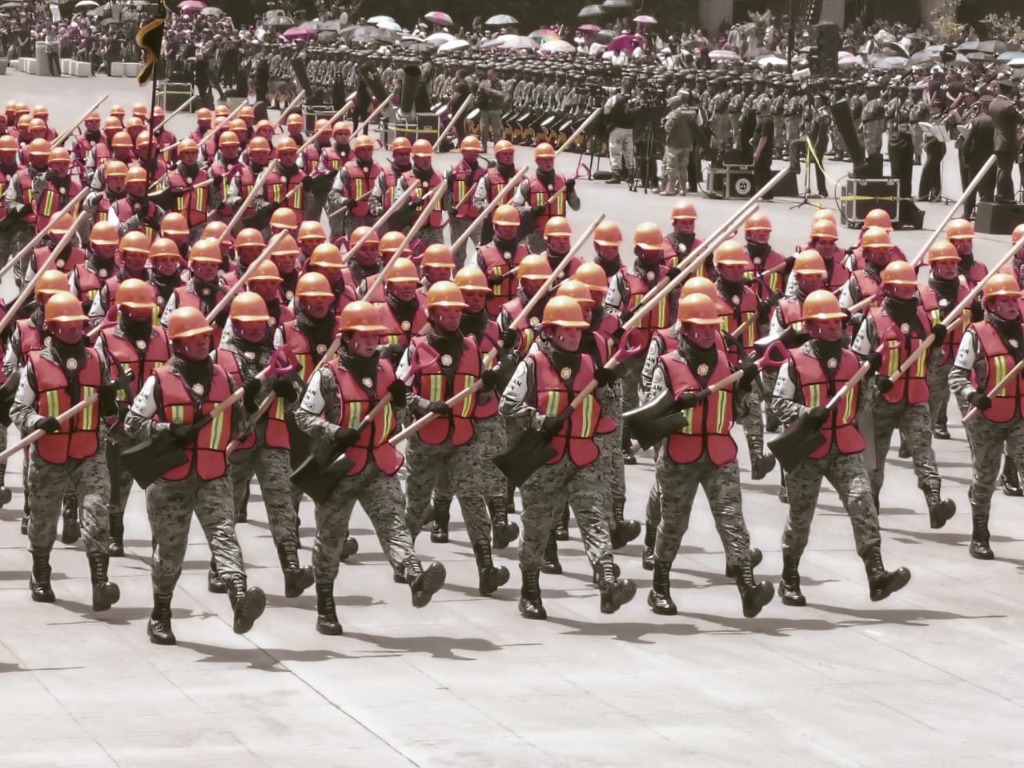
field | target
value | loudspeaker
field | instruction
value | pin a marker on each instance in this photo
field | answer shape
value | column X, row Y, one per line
column 730, row 183
column 826, row 38
column 858, row 196
column 998, row 218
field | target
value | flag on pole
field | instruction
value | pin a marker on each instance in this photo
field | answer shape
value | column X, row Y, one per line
column 150, row 39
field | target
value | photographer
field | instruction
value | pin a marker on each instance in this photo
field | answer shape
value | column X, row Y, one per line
column 619, row 113
column 681, row 133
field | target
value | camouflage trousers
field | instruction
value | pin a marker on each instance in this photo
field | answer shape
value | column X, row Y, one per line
column 456, row 228
column 848, row 476
column 381, row 498
column 679, row 483
column 121, row 485
column 490, row 439
column 938, row 404
column 430, row 235
column 677, row 162
column 352, row 223
column 749, row 413
column 545, row 495
column 987, row 439
column 170, row 505
column 535, row 241
column 463, row 465
column 47, row 484
column 272, row 470
column 18, row 240
column 914, row 423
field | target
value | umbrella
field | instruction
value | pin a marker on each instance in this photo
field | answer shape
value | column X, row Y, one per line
column 375, row 19
column 631, row 42
column 588, row 28
column 980, row 56
column 511, row 43
column 364, row 33
column 888, row 62
column 86, row 4
column 645, row 20
column 849, row 60
column 392, row 26
column 771, row 61
column 604, row 36
column 440, row 18
column 95, row 13
column 1009, row 56
column 557, row 46
column 501, row 20
column 1018, row 62
column 591, row 12
column 617, row 5
column 723, row 55
column 544, row 35
column 211, row 11
column 107, row 22
column 299, row 33
column 453, row 45
column 987, row 46
column 277, row 21
column 418, row 46
column 272, row 13
column 191, row 5
column 439, row 38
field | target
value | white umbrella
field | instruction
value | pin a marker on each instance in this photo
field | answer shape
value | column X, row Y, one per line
column 375, row 19
column 86, row 4
column 453, row 45
column 394, row 26
column 439, row 38
column 771, row 61
column 511, row 43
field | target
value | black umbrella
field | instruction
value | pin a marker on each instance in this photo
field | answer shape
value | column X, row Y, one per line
column 617, row 5
column 987, row 46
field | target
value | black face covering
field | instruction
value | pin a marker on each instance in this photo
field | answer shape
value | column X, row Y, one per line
column 945, row 289
column 404, row 310
column 445, row 343
column 361, row 367
column 193, row 373
column 473, row 323
column 826, row 350
column 686, row 238
column 69, row 351
column 901, row 310
column 695, row 356
column 610, row 267
column 559, row 357
column 136, row 329
column 758, row 250
column 319, row 332
column 1010, row 330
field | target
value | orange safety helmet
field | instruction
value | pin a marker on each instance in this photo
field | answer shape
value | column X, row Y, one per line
column 267, row 272
column 899, row 273
column 63, row 224
column 757, row 222
column 822, row 305
column 503, row 146
column 534, row 267
column 608, row 234
column 371, row 237
column 471, row 144
column 942, row 250
column 506, row 216
column 135, row 294
column 471, row 279
column 39, row 147
column 361, row 316
column 311, row 230
column 122, row 140
column 564, row 312
column 438, row 255
column 312, row 285
column 164, row 248
column 400, row 144
column 649, row 237
column 543, row 150
column 135, row 242
column 824, row 229
column 187, row 146
column 876, row 237
column 50, row 282
column 286, row 246
column 592, row 276
column 701, row 285
column 64, row 307
column 228, row 139
column 249, row 307
column 684, row 210
column 250, row 238
column 809, row 262
column 731, row 254
column 104, row 233
column 1000, row 284
column 284, row 218
column 115, row 169
column 574, row 289
column 390, row 242
column 59, row 156
column 402, row 270
column 203, row 114
column 215, row 229
column 287, row 146
column 259, row 146
column 174, row 224
column 699, row 310
column 8, row 143
column 878, row 217
column 136, row 175
column 187, row 322
column 557, row 226
column 445, row 293
column 824, row 213
column 362, row 141
column 206, row 250
column 326, row 255
column 960, row 229
column 422, row 148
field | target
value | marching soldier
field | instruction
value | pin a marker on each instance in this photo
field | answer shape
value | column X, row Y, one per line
column 67, row 457
column 350, row 194
column 757, row 230
column 539, row 393
column 174, row 401
column 87, row 278
column 463, row 179
column 337, row 397
column 683, row 237
column 492, row 181
column 817, row 371
column 960, row 232
column 204, row 289
column 426, row 179
column 867, row 282
column 542, row 194
column 384, row 188
column 501, row 258
column 54, row 189
column 185, row 183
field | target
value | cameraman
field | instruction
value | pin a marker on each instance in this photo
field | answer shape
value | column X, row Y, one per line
column 619, row 113
column 681, row 133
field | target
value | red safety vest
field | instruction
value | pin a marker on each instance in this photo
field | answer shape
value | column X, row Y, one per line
column 193, row 204
column 867, row 284
column 401, row 331
column 436, row 217
column 529, row 329
column 359, row 185
column 125, row 210
column 390, row 186
column 495, row 265
column 773, row 283
column 87, row 283
column 638, row 287
column 298, row 343
column 432, row 383
column 49, row 202
column 707, row 429
column 66, row 262
column 179, row 407
column 817, row 388
column 792, row 313
column 936, row 308
column 495, row 182
column 31, row 338
column 741, row 310
column 1009, row 404
column 975, row 274
column 463, row 178
column 554, row 394
column 358, row 397
column 138, row 358
column 78, row 437
column 332, row 159
column 541, row 194
column 28, row 195
column 672, row 257
column 189, row 298
column 278, row 189
column 487, row 408
column 912, row 387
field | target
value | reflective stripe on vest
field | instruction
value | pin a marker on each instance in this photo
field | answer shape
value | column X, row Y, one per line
column 78, row 437
column 707, row 429
column 355, row 404
column 433, row 384
column 179, row 404
column 554, row 394
column 1009, row 404
column 818, row 390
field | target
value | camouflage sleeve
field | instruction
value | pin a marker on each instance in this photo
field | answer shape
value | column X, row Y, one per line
column 867, row 339
column 654, row 352
column 320, row 410
column 23, row 410
column 785, row 399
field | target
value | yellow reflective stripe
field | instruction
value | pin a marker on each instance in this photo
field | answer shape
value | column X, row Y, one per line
column 554, row 404
column 435, row 387
column 276, row 193
column 388, row 417
column 588, row 412
column 305, row 360
column 892, row 358
column 199, row 201
column 814, row 395
column 217, row 436
column 355, row 413
column 52, row 403
column 469, row 403
column 279, row 408
column 722, row 411
column 460, row 190
column 177, row 414
column 1002, row 368
column 848, row 406
column 87, row 418
column 751, row 333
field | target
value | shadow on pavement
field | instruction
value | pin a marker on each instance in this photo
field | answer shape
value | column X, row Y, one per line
column 265, row 659
column 437, row 646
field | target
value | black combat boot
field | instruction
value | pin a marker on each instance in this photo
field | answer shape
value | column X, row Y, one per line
column 562, row 525
column 502, row 531
column 904, row 448
column 104, row 592
column 248, row 602
column 1010, row 480
column 659, row 598
column 755, row 560
column 551, row 564
column 115, row 547
column 349, row 547
column 940, row 430
column 326, row 614
column 754, row 594
column 940, row 510
column 789, row 584
column 650, row 537
column 442, row 515
column 5, row 493
column 71, row 530
column 214, row 583
column 980, row 549
column 159, row 627
column 615, row 593
column 296, row 579
column 598, row 572
column 783, row 491
column 530, row 605
column 882, row 582
column 423, row 583
column 623, row 531
column 39, row 580
column 491, row 576
column 761, row 463
column 242, row 513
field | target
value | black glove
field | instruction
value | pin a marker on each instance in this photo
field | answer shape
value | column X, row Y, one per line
column 49, row 425
column 793, row 338
column 183, row 434
column 625, row 316
column 551, row 426
column 399, row 393
column 605, row 377
column 884, row 384
column 689, row 400
column 980, row 400
column 570, row 185
column 496, row 279
column 439, row 408
column 876, row 361
column 977, row 312
column 252, row 390
column 818, row 415
column 939, row 332
column 509, row 337
column 345, row 437
column 491, row 378
column 284, row 389
column 750, row 371
column 790, row 261
column 673, row 273
column 537, row 210
column 350, row 204
column 394, row 352
column 108, row 399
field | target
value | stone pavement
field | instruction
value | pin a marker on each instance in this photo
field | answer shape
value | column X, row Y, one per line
column 931, row 676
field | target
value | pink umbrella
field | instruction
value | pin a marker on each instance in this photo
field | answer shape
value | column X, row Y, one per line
column 557, row 46
column 191, row 5
column 630, row 42
column 645, row 20
column 440, row 18
column 299, row 33
column 544, row 35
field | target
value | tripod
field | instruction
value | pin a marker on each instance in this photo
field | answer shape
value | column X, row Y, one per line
column 809, row 156
column 650, row 163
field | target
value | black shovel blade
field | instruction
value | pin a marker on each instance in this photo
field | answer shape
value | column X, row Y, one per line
column 654, row 421
column 297, row 440
column 531, row 452
column 318, row 478
column 150, row 459
column 797, row 443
